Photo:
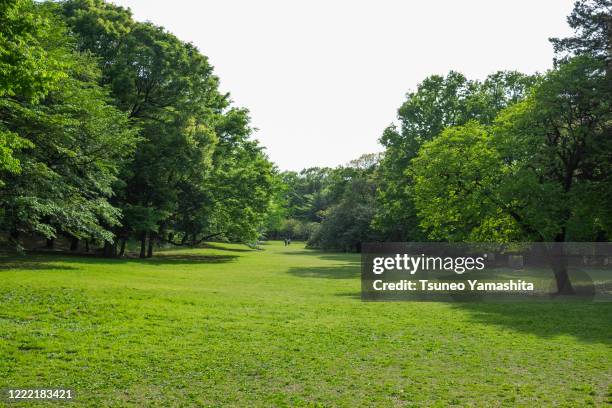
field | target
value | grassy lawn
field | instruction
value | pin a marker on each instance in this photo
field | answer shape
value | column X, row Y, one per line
column 283, row 327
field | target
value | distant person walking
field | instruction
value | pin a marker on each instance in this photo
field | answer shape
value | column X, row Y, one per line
column 286, row 243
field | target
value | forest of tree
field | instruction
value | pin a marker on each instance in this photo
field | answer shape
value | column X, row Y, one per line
column 514, row 157
column 114, row 131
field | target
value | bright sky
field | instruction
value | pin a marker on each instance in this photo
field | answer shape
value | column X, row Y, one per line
column 323, row 78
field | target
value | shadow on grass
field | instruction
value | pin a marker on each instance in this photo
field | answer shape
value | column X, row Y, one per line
column 222, row 248
column 327, row 256
column 185, row 259
column 348, row 268
column 351, row 295
column 578, row 317
column 588, row 322
column 343, row 271
column 31, row 264
column 46, row 260
column 585, row 321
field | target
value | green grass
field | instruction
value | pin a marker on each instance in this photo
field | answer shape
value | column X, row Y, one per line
column 283, row 326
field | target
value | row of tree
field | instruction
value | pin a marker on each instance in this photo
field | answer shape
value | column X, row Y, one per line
column 514, row 157
column 112, row 129
column 329, row 208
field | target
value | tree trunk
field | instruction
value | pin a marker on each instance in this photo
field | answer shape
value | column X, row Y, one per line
column 143, row 244
column 108, row 250
column 50, row 243
column 558, row 261
column 564, row 285
column 74, row 244
column 151, row 242
column 86, row 245
column 122, row 250
column 14, row 238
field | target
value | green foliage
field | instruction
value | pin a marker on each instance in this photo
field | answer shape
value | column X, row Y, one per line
column 75, row 141
column 27, row 69
column 346, row 223
column 113, row 128
column 291, row 228
column 438, row 103
column 329, row 208
column 455, row 178
column 195, row 174
column 541, row 172
column 278, row 207
column 591, row 21
column 304, row 197
column 559, row 141
column 162, row 84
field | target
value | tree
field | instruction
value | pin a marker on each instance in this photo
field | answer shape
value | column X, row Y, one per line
column 279, row 207
column 455, row 176
column 540, row 172
column 346, row 223
column 27, row 71
column 195, row 174
column 76, row 143
column 438, row 102
column 592, row 23
column 234, row 199
column 330, row 208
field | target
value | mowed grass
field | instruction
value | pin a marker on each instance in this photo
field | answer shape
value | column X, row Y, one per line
column 283, row 327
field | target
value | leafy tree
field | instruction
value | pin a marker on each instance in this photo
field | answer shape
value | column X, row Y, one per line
column 438, row 102
column 307, row 193
column 27, row 70
column 278, row 209
column 592, row 23
column 195, row 174
column 234, row 199
column 540, row 172
column 323, row 204
column 76, row 143
column 347, row 221
column 563, row 133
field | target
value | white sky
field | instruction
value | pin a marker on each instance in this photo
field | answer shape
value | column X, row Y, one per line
column 323, row 78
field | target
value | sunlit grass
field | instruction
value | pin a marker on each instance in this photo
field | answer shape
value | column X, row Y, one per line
column 282, row 326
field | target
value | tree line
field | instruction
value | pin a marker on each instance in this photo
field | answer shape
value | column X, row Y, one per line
column 114, row 130
column 513, row 157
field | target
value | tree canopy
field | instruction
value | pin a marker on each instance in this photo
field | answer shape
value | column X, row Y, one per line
column 114, row 129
